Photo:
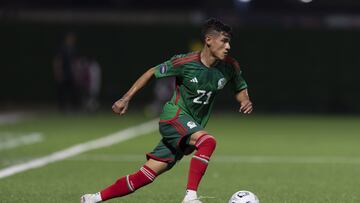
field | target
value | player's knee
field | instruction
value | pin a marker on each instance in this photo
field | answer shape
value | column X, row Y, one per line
column 212, row 142
column 189, row 149
column 206, row 141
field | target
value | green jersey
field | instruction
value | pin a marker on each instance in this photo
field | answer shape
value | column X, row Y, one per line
column 197, row 85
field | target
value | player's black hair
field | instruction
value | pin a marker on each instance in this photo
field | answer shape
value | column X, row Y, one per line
column 213, row 24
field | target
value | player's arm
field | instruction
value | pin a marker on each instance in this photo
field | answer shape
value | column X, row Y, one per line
column 121, row 105
column 240, row 87
column 243, row 98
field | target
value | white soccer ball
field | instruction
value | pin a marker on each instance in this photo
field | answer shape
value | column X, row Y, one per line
column 244, row 196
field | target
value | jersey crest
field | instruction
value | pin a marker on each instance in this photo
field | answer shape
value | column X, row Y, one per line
column 221, row 83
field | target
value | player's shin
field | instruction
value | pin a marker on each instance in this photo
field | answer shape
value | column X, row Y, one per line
column 129, row 183
column 205, row 147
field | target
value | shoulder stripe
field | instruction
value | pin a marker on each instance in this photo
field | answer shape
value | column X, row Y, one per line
column 184, row 60
column 184, row 57
column 181, row 59
column 233, row 62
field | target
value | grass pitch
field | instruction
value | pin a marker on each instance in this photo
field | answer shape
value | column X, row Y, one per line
column 282, row 159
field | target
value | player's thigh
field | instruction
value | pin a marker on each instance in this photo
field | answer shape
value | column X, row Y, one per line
column 158, row 166
column 163, row 153
column 176, row 134
column 188, row 131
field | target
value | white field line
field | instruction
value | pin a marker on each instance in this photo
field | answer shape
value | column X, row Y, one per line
column 106, row 141
column 22, row 140
column 233, row 159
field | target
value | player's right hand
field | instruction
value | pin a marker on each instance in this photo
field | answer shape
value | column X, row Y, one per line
column 120, row 106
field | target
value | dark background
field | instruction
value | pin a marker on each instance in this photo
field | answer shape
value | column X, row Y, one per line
column 295, row 56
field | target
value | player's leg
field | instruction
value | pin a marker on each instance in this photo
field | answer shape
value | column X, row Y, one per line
column 129, row 183
column 193, row 137
column 205, row 145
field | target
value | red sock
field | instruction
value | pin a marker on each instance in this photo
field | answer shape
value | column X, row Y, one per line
column 129, row 183
column 205, row 147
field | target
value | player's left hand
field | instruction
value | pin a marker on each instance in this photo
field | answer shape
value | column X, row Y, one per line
column 246, row 106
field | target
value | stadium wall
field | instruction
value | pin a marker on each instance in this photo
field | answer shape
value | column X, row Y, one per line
column 288, row 70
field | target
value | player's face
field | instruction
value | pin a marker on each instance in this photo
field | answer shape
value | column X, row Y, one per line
column 220, row 45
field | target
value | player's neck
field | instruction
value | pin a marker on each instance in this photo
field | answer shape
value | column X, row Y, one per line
column 207, row 58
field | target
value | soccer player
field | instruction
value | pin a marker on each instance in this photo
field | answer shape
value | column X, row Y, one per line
column 200, row 76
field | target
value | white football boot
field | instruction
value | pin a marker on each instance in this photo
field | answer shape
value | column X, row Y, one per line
column 88, row 198
column 192, row 201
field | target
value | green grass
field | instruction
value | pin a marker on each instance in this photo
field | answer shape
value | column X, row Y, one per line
column 283, row 159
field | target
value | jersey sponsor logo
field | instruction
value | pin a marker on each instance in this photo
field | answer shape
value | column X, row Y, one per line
column 221, row 83
column 163, row 68
column 191, row 124
column 194, row 80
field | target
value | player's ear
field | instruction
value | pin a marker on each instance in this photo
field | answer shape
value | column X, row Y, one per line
column 208, row 39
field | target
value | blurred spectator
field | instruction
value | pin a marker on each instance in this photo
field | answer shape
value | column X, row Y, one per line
column 88, row 80
column 63, row 65
column 163, row 90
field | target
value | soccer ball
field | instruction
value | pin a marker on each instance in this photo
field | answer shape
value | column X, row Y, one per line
column 244, row 196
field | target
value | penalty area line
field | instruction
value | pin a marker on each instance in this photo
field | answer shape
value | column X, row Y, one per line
column 106, row 141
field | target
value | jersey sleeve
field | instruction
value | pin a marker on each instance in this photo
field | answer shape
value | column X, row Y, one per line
column 167, row 69
column 238, row 82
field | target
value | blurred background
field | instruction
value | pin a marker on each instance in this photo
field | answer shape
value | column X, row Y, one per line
column 297, row 55
column 64, row 62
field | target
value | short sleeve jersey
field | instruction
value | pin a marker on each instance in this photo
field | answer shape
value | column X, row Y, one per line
column 197, row 85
